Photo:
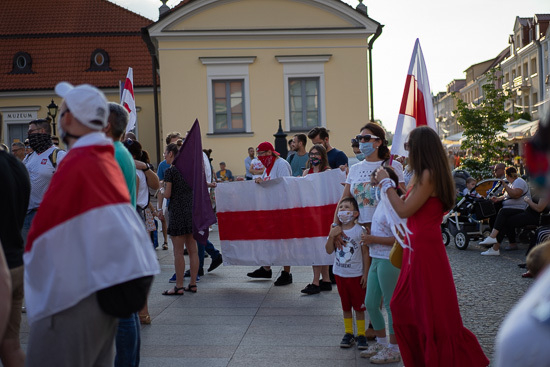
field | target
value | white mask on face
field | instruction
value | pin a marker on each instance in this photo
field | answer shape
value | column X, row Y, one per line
column 345, row 216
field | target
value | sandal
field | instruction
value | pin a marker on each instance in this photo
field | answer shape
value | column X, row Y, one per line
column 175, row 293
column 191, row 288
column 165, row 246
column 145, row 319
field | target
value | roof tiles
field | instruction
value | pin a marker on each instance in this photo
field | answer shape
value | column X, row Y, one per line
column 61, row 35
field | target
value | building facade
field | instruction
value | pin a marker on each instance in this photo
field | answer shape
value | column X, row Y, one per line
column 241, row 66
column 93, row 41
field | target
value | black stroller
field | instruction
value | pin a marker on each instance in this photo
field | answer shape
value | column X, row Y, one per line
column 467, row 220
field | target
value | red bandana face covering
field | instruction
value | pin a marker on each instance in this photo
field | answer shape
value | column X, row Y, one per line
column 268, row 162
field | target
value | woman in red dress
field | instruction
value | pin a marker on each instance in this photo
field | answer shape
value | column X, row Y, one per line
column 426, row 318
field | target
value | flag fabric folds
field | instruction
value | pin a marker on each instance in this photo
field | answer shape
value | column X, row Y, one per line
column 284, row 221
column 189, row 162
column 86, row 235
column 128, row 100
column 416, row 106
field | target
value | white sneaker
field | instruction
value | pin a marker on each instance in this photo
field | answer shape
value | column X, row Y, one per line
column 488, row 241
column 371, row 350
column 386, row 355
column 491, row 252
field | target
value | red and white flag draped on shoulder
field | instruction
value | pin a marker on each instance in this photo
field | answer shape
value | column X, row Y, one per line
column 284, row 221
column 86, row 235
column 416, row 106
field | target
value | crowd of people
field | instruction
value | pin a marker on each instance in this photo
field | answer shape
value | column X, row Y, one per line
column 93, row 203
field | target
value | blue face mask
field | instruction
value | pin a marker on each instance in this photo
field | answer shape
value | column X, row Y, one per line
column 366, row 148
column 360, row 156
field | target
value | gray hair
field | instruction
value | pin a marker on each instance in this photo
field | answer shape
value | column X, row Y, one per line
column 118, row 118
column 18, row 144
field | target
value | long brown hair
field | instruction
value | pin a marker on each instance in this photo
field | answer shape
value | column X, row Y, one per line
column 427, row 153
column 324, row 157
column 383, row 150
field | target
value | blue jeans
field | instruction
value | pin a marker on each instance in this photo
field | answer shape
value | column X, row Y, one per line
column 128, row 342
column 209, row 247
column 27, row 225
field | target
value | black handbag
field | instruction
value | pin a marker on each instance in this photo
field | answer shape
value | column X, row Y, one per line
column 484, row 208
column 124, row 299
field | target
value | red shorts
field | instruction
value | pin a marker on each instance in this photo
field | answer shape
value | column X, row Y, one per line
column 351, row 293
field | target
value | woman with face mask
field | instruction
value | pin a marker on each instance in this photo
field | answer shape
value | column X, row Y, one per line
column 318, row 162
column 372, row 143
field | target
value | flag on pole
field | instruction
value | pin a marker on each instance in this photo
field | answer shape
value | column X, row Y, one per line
column 416, row 106
column 189, row 162
column 284, row 221
column 128, row 100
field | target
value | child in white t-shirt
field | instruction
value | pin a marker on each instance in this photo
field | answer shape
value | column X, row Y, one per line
column 470, row 184
column 350, row 270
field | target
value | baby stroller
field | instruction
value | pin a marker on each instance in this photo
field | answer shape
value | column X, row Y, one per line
column 468, row 219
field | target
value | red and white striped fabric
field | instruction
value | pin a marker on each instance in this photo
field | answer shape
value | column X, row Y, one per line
column 416, row 106
column 128, row 100
column 86, row 235
column 284, row 221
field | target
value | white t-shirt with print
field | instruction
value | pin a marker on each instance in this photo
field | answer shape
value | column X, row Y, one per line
column 380, row 227
column 360, row 187
column 348, row 262
column 280, row 168
column 40, row 170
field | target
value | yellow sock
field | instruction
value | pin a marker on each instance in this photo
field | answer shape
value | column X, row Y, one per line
column 360, row 327
column 348, row 325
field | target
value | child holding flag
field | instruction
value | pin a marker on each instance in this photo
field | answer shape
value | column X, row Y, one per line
column 350, row 270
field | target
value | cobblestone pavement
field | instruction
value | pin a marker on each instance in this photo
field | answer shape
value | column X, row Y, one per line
column 236, row 321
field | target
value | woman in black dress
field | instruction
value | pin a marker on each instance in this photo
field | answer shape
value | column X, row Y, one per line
column 180, row 224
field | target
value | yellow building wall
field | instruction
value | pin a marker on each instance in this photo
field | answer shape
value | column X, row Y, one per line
column 261, row 14
column 185, row 97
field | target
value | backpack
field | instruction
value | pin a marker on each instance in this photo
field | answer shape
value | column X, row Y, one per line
column 53, row 157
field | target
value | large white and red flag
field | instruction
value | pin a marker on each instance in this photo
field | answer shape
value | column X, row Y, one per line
column 86, row 235
column 128, row 100
column 284, row 221
column 416, row 106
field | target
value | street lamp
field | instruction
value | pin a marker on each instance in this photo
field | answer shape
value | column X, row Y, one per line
column 52, row 112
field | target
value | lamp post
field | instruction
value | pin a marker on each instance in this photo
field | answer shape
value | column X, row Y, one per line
column 52, row 112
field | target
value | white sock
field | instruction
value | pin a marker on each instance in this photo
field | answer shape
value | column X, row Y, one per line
column 394, row 347
column 383, row 341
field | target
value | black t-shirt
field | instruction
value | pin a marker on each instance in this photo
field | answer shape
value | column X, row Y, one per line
column 15, row 189
column 336, row 158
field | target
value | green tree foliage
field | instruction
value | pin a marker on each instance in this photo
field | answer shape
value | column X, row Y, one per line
column 483, row 123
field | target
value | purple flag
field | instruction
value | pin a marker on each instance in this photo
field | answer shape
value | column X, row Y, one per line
column 189, row 162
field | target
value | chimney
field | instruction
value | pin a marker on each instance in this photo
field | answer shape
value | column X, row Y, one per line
column 164, row 8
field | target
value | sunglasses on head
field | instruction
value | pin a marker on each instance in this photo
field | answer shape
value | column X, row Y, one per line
column 366, row 138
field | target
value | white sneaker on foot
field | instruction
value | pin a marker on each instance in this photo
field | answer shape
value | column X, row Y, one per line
column 491, row 252
column 371, row 350
column 488, row 241
column 386, row 355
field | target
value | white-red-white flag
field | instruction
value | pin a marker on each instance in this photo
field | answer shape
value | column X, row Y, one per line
column 416, row 106
column 284, row 221
column 128, row 100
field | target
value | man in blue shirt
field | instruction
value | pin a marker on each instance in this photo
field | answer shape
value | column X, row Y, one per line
column 336, row 158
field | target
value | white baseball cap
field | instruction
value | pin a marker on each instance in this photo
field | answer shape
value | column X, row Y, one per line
column 87, row 104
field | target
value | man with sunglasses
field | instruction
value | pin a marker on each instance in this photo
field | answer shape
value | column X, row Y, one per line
column 336, row 158
column 18, row 150
column 41, row 165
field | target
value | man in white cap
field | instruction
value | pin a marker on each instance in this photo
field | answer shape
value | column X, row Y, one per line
column 85, row 242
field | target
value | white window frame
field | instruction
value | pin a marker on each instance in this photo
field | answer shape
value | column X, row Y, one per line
column 223, row 69
column 304, row 66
